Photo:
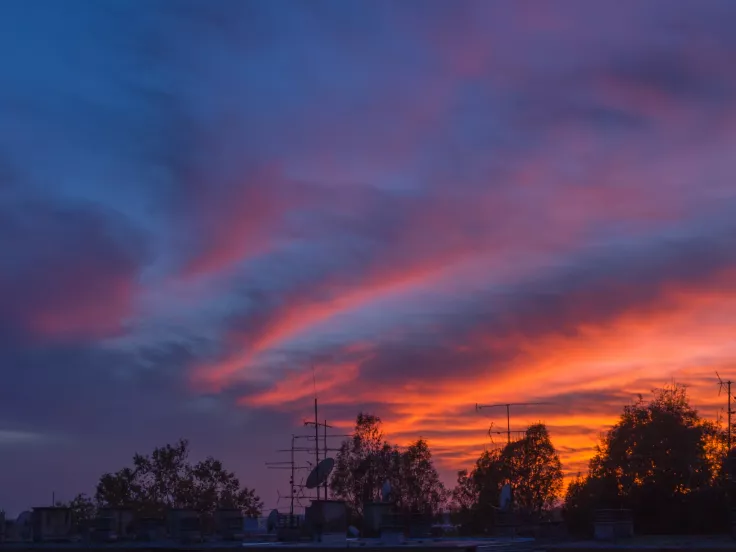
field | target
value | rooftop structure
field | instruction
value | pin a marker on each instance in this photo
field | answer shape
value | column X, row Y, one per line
column 51, row 523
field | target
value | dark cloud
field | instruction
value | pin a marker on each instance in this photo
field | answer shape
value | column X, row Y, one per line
column 584, row 403
column 592, row 288
column 673, row 76
column 112, row 403
column 67, row 271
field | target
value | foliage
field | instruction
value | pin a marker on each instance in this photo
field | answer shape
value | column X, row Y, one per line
column 467, row 509
column 165, row 479
column 416, row 485
column 530, row 466
column 119, row 490
column 465, row 495
column 362, row 464
column 209, row 486
column 660, row 460
column 534, row 470
column 83, row 510
column 163, row 476
column 366, row 460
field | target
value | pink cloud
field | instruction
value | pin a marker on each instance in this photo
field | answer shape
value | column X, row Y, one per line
column 74, row 273
column 84, row 314
column 241, row 221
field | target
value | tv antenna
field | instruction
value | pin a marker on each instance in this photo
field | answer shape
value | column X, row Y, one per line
column 491, row 432
column 292, row 466
column 727, row 385
column 317, row 424
column 508, row 413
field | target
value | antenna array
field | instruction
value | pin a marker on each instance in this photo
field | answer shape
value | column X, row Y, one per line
column 727, row 386
column 508, row 415
column 322, row 466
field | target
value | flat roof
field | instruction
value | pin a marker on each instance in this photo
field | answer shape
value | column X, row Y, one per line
column 51, row 508
column 366, row 545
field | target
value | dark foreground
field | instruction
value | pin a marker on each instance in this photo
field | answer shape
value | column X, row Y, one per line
column 637, row 544
column 434, row 545
column 665, row 543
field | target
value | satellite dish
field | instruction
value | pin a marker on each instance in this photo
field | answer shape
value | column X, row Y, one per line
column 504, row 500
column 386, row 491
column 320, row 473
column 272, row 521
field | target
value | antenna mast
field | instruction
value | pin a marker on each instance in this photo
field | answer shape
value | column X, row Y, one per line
column 727, row 385
column 317, row 424
column 508, row 412
column 293, row 467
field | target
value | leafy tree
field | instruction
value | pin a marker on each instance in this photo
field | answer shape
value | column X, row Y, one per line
column 163, row 475
column 468, row 511
column 83, row 511
column 530, row 466
column 362, row 464
column 209, row 486
column 416, row 484
column 533, row 468
column 661, row 460
column 366, row 460
column 465, row 495
column 165, row 479
column 119, row 490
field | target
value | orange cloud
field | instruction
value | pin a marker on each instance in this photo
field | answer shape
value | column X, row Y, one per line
column 303, row 314
column 306, row 383
column 684, row 336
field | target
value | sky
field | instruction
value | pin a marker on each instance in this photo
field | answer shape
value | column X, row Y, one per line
column 211, row 210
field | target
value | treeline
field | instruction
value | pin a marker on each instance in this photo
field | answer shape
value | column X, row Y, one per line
column 366, row 461
column 530, row 466
column 532, row 469
column 166, row 479
column 661, row 460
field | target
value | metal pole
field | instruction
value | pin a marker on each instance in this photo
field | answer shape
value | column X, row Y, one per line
column 325, row 447
column 316, row 438
column 291, row 482
column 508, row 412
column 729, row 415
column 508, row 422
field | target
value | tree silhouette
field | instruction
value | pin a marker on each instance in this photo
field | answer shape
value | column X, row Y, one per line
column 119, row 490
column 163, row 475
column 533, row 468
column 366, row 460
column 530, row 466
column 165, row 479
column 83, row 511
column 362, row 464
column 416, row 484
column 475, row 496
column 660, row 460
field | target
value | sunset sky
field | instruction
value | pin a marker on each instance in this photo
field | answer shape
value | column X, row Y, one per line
column 209, row 209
